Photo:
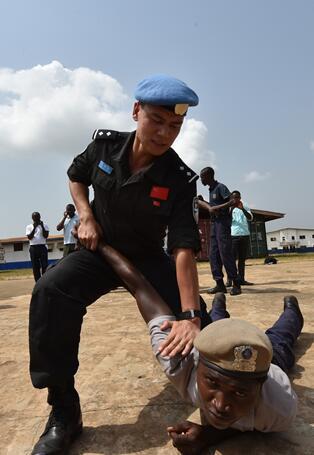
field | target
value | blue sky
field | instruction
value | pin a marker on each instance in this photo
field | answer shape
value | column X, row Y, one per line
column 70, row 67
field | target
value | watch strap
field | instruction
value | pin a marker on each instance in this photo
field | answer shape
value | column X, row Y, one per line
column 189, row 314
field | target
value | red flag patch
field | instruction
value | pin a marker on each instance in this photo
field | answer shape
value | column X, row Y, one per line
column 159, row 192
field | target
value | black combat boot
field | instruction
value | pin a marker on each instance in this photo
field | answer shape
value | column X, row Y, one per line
column 236, row 288
column 63, row 426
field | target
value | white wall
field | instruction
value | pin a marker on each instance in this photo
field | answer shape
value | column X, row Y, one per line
column 21, row 256
column 290, row 236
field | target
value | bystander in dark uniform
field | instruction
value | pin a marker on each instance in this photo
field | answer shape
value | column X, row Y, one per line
column 37, row 233
column 69, row 223
column 141, row 189
column 220, row 253
column 240, row 236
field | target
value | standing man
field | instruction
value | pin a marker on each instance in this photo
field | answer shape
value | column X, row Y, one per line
column 69, row 222
column 141, row 189
column 37, row 233
column 240, row 235
column 220, row 232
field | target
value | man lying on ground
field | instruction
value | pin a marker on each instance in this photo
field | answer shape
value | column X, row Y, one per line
column 235, row 374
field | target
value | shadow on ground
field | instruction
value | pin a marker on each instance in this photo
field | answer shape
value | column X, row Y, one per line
column 162, row 410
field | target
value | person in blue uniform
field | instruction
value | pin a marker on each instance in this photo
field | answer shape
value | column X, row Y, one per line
column 141, row 190
column 220, row 253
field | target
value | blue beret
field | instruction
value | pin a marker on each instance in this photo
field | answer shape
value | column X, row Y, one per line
column 166, row 91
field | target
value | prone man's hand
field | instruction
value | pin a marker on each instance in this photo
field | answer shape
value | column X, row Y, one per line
column 188, row 437
column 89, row 233
column 181, row 337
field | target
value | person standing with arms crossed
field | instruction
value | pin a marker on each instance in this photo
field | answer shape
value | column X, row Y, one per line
column 141, row 189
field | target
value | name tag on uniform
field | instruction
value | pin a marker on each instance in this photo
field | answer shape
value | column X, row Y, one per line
column 159, row 192
column 105, row 167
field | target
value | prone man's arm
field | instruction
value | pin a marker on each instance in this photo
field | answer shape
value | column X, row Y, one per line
column 149, row 302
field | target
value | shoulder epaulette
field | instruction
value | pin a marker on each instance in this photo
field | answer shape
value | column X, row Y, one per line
column 186, row 173
column 105, row 134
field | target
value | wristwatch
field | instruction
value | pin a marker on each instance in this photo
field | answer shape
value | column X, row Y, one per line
column 189, row 314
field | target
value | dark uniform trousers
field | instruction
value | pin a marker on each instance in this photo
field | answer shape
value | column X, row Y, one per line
column 221, row 250
column 39, row 258
column 239, row 250
column 59, row 303
column 283, row 335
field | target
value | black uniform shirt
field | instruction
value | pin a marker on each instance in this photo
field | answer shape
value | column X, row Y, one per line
column 135, row 211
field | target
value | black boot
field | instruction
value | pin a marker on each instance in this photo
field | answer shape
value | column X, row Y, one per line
column 219, row 306
column 236, row 288
column 220, row 287
column 291, row 302
column 63, row 426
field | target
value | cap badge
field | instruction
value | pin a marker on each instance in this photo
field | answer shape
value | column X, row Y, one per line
column 244, row 358
column 181, row 109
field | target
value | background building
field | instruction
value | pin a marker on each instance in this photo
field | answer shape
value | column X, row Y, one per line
column 290, row 240
column 14, row 252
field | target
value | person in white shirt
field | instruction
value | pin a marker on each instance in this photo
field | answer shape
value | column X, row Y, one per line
column 37, row 233
column 69, row 222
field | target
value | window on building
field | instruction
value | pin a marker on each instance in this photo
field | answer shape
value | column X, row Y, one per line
column 283, row 239
column 60, row 246
column 50, row 247
column 302, row 237
column 312, row 236
column 292, row 237
column 273, row 239
column 18, row 246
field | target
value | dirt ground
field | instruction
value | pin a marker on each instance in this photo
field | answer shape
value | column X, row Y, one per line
column 126, row 401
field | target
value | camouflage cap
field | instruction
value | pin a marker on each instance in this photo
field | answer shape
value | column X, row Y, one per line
column 235, row 348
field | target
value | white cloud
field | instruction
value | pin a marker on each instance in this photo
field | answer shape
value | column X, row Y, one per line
column 255, row 176
column 312, row 146
column 52, row 109
column 191, row 145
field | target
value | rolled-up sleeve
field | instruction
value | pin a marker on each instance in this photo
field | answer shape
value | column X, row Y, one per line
column 178, row 369
column 81, row 167
column 182, row 229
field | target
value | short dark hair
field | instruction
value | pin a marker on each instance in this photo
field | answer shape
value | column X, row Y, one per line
column 236, row 191
column 208, row 170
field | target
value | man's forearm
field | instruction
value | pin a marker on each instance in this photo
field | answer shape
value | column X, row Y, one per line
column 247, row 214
column 187, row 279
column 149, row 302
column 60, row 226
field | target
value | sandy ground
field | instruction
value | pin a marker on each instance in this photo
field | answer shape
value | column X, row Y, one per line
column 126, row 401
